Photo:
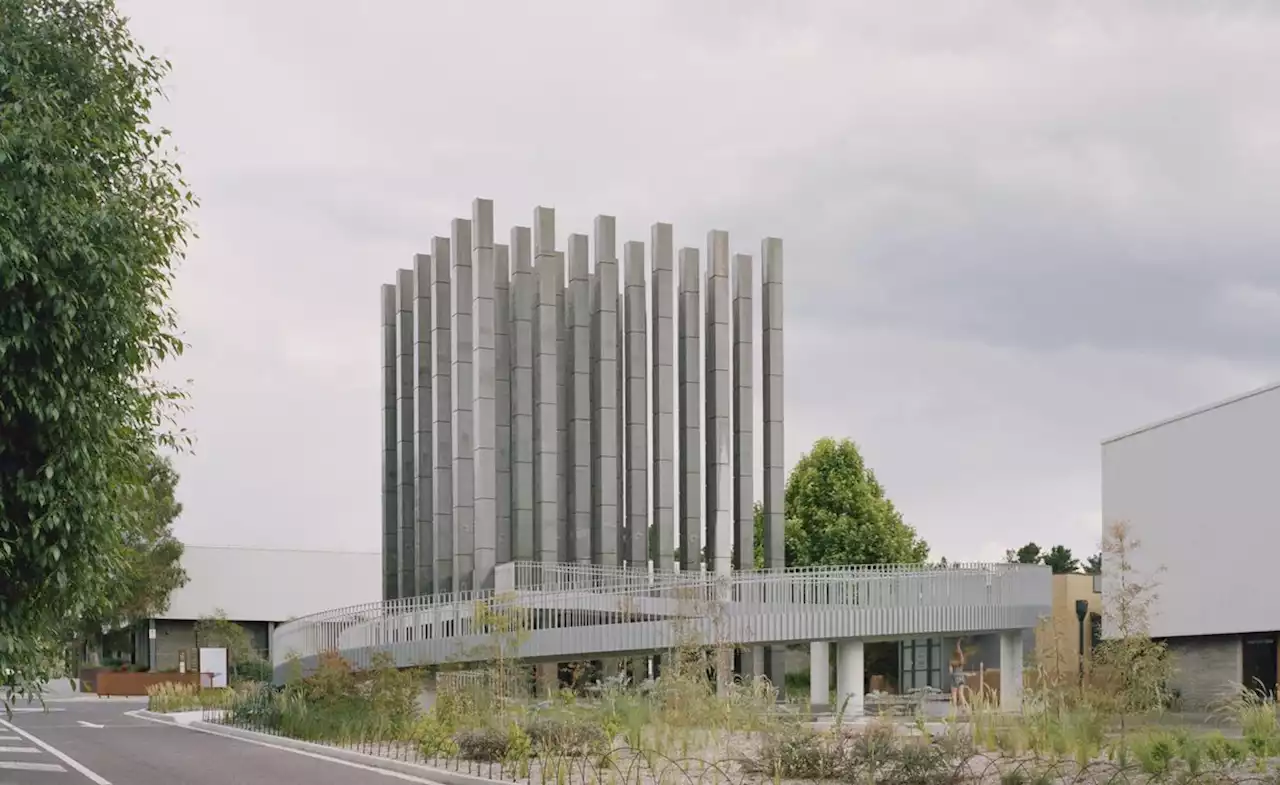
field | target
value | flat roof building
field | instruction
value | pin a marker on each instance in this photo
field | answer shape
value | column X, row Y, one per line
column 1199, row 492
column 256, row 587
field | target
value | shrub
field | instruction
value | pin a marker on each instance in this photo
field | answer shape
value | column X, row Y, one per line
column 1156, row 752
column 253, row 670
column 485, row 744
column 567, row 734
column 434, row 737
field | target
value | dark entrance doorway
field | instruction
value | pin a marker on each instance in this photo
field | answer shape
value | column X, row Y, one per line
column 1258, row 662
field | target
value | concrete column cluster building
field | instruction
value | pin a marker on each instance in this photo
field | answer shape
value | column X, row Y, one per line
column 555, row 404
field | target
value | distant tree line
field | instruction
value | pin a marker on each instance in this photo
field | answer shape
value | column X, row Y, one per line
column 1059, row 558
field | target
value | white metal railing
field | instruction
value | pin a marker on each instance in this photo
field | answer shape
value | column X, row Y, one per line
column 574, row 600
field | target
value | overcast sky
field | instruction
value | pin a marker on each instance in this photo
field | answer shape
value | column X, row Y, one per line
column 1012, row 229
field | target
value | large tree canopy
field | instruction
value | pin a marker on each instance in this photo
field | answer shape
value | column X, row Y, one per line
column 92, row 220
column 152, row 556
column 837, row 513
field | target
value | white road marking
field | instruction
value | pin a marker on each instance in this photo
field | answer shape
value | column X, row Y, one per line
column 90, row 724
column 305, row 753
column 10, row 738
column 7, row 750
column 15, row 766
column 96, row 779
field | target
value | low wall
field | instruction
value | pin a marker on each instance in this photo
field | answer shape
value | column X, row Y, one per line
column 123, row 683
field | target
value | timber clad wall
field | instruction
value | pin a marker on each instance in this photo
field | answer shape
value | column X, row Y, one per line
column 1204, row 668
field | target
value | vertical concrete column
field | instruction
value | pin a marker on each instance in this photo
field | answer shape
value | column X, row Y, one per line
column 484, row 393
column 771, row 402
column 405, row 376
column 564, row 406
column 1011, row 663
column 744, row 492
column 523, row 296
column 546, row 426
column 719, row 488
column 390, row 446
column 689, row 416
column 637, row 406
column 424, row 418
column 604, row 397
column 663, row 337
column 464, row 535
column 850, row 676
column 442, row 406
column 578, row 317
column 502, row 396
column 621, row 414
column 819, row 674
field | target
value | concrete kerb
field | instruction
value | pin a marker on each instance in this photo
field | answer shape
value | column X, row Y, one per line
column 441, row 776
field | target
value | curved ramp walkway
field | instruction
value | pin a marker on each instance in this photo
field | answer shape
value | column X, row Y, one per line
column 566, row 611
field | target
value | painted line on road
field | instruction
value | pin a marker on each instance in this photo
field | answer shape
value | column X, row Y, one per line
column 10, row 738
column 15, row 766
column 59, row 754
column 7, row 750
column 305, row 753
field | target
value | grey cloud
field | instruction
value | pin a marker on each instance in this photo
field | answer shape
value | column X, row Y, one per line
column 1011, row 229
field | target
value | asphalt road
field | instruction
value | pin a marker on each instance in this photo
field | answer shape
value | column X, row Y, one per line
column 96, row 741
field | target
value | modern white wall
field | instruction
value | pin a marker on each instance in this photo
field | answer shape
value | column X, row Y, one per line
column 254, row 584
column 1202, row 493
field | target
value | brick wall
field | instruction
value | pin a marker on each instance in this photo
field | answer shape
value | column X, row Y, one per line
column 1204, row 668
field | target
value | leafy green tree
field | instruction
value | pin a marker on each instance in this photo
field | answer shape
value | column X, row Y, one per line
column 217, row 631
column 92, row 221
column 837, row 513
column 1027, row 554
column 1093, row 565
column 1061, row 561
column 152, row 566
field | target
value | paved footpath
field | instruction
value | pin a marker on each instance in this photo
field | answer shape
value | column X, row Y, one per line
column 95, row 740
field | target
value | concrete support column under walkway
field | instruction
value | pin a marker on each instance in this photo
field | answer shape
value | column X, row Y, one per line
column 1011, row 670
column 850, row 677
column 819, row 674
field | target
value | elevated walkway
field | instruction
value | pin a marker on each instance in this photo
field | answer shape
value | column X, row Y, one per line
column 569, row 611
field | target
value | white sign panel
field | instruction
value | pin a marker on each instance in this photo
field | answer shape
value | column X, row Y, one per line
column 214, row 663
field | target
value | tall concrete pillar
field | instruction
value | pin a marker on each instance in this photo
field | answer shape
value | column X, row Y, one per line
column 744, row 492
column 502, row 397
column 424, row 417
column 578, row 319
column 442, row 406
column 850, row 678
column 637, row 406
column 546, row 425
column 464, row 535
column 484, row 392
column 663, row 338
column 719, row 485
column 819, row 675
column 621, row 548
column 405, row 376
column 1011, row 664
column 604, row 397
column 689, row 425
column 390, row 447
column 564, row 406
column 523, row 296
column 771, row 402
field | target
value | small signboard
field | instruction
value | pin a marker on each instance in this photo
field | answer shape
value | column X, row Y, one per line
column 214, row 663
